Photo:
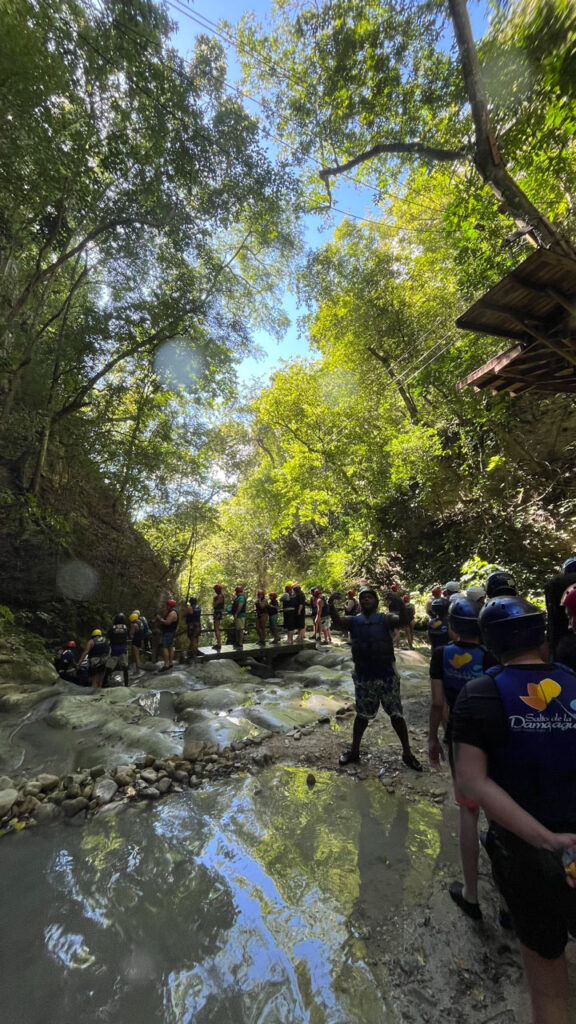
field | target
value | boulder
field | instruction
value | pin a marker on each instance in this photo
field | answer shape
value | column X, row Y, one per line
column 6, row 782
column 73, row 807
column 193, row 748
column 104, row 790
column 7, row 798
column 47, row 782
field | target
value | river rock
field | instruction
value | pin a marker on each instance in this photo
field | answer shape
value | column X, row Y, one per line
column 193, row 748
column 47, row 782
column 104, row 790
column 7, row 798
column 164, row 785
column 6, row 782
column 28, row 805
column 97, row 771
column 125, row 775
column 221, row 670
column 45, row 813
column 32, row 788
column 149, row 776
column 149, row 793
column 73, row 807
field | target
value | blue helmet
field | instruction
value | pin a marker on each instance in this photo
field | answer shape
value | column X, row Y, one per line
column 509, row 623
column 463, row 618
column 439, row 607
column 570, row 565
column 500, row 582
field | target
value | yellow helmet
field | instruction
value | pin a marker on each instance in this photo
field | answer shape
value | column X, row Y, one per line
column 96, row 632
column 134, row 617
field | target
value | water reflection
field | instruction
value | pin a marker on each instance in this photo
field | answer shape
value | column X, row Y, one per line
column 236, row 903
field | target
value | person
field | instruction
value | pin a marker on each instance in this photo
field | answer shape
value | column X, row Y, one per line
column 322, row 618
column 118, row 657
column 169, row 624
column 96, row 652
column 514, row 735
column 136, row 637
column 193, row 626
column 554, row 590
column 218, row 603
column 300, row 622
column 565, row 651
column 261, row 607
column 500, row 583
column 351, row 607
column 451, row 666
column 273, row 608
column 394, row 600
column 375, row 679
column 289, row 604
column 239, row 615
column 435, row 593
column 438, row 623
column 451, row 591
column 410, row 612
column 477, row 595
column 65, row 663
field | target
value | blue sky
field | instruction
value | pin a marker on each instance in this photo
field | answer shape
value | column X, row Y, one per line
column 353, row 200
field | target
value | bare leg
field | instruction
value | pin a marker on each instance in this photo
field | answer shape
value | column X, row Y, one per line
column 401, row 730
column 548, row 987
column 217, row 633
column 469, row 852
column 358, row 730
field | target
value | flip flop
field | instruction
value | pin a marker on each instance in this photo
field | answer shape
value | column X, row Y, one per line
column 472, row 910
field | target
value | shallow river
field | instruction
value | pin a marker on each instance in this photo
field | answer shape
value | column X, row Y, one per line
column 248, row 902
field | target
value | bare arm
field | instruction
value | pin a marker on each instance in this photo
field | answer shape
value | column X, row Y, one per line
column 338, row 621
column 473, row 781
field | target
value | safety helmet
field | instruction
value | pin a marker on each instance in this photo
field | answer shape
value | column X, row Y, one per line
column 475, row 593
column 368, row 590
column 218, row 588
column 192, row 600
column 317, row 592
column 570, row 565
column 119, row 619
column 288, row 588
column 96, row 632
column 261, row 593
column 509, row 623
column 569, row 600
column 71, row 644
column 351, row 593
column 463, row 617
column 272, row 596
column 406, row 598
column 394, row 587
column 452, row 587
column 133, row 617
column 238, row 589
column 439, row 607
column 566, row 592
column 170, row 603
column 136, row 612
column 436, row 591
column 501, row 583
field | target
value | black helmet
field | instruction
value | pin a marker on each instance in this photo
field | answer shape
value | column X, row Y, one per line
column 439, row 607
column 119, row 619
column 369, row 590
column 193, row 600
column 509, row 623
column 463, row 618
column 500, row 582
column 570, row 565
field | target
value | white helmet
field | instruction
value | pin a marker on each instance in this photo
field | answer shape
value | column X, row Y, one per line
column 476, row 593
column 452, row 587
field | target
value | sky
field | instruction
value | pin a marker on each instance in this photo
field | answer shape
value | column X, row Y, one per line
column 356, row 201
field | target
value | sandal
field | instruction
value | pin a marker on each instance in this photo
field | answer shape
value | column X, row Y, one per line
column 472, row 910
column 412, row 762
column 348, row 757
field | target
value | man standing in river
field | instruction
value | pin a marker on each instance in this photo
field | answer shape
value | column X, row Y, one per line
column 375, row 678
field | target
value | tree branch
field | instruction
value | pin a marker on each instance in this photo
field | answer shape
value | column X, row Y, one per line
column 416, row 148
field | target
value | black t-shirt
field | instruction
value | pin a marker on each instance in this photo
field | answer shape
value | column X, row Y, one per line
column 437, row 660
column 566, row 650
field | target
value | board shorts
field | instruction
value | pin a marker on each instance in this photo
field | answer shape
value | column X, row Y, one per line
column 168, row 639
column 273, row 622
column 325, row 623
column 533, row 883
column 218, row 614
column 372, row 693
column 138, row 640
column 194, row 629
column 117, row 661
column 96, row 665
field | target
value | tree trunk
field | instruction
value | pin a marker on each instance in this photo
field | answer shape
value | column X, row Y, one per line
column 487, row 157
column 402, row 391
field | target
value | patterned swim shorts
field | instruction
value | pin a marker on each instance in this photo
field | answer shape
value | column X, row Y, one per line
column 372, row 693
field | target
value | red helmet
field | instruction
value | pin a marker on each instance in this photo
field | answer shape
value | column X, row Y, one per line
column 218, row 588
column 394, row 587
column 171, row 603
column 238, row 589
column 351, row 593
column 570, row 602
column 317, row 592
column 568, row 590
column 436, row 591
column 71, row 643
column 406, row 598
column 261, row 593
column 272, row 596
column 288, row 588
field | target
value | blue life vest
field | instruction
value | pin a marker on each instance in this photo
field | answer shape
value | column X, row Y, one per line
column 118, row 639
column 438, row 632
column 372, row 645
column 99, row 648
column 64, row 660
column 460, row 664
column 537, row 767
